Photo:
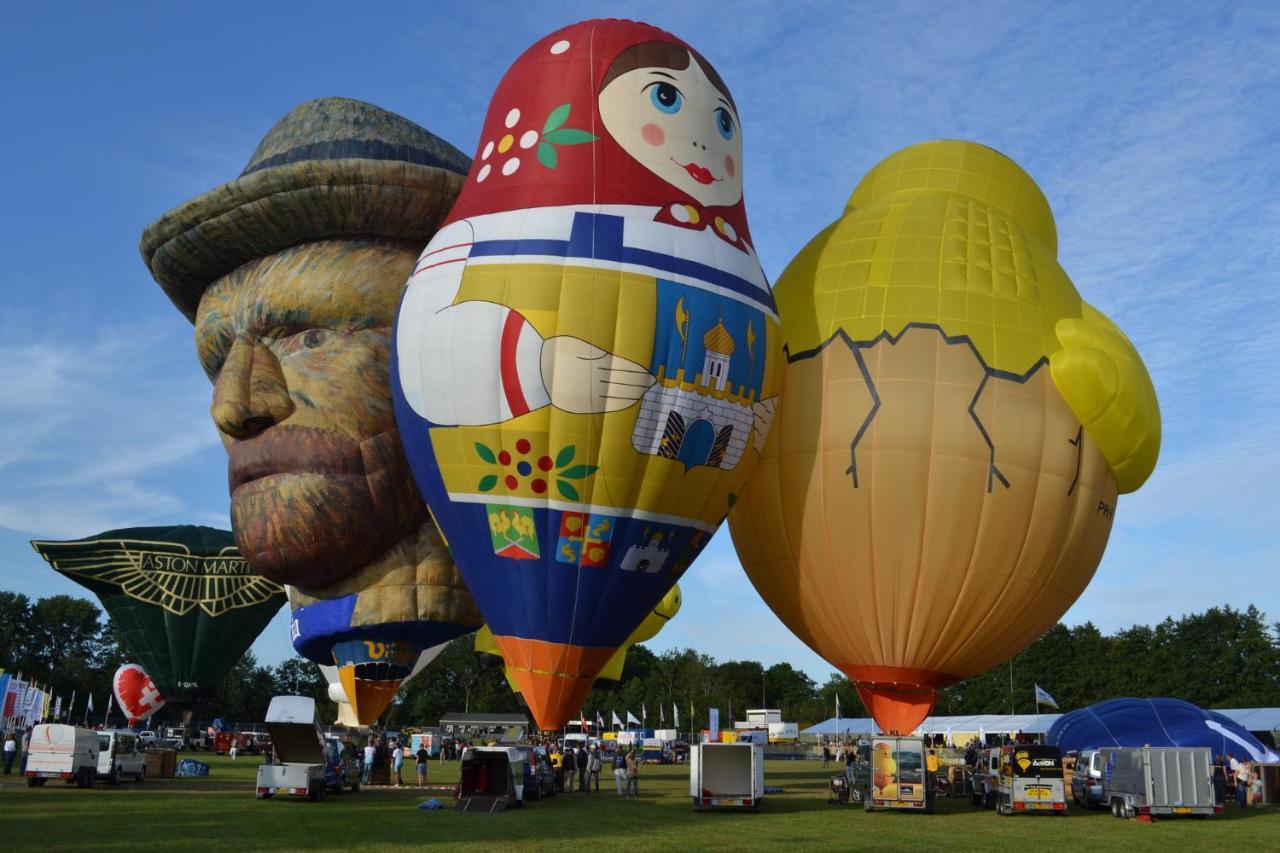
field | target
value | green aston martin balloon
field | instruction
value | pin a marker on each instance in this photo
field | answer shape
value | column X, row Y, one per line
column 185, row 601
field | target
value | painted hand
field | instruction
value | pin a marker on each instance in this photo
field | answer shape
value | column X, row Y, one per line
column 763, row 416
column 583, row 379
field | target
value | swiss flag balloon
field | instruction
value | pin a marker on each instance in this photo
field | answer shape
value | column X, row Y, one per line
column 136, row 693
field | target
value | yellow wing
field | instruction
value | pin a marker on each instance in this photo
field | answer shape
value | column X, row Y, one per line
column 1102, row 378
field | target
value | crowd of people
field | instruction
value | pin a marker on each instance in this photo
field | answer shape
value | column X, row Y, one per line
column 1236, row 779
column 578, row 766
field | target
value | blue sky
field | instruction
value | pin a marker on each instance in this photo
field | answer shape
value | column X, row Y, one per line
column 1154, row 130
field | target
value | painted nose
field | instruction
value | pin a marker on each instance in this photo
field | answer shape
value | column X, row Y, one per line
column 696, row 144
column 250, row 394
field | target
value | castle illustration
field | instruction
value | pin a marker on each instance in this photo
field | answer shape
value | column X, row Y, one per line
column 702, row 419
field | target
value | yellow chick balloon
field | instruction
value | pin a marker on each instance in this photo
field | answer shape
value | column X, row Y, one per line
column 955, row 425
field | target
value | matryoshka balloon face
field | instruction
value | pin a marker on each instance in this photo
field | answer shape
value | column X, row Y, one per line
column 677, row 122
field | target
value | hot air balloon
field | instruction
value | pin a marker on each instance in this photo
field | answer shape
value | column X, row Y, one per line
column 322, row 228
column 487, row 648
column 136, row 693
column 955, row 425
column 587, row 352
column 185, row 602
column 338, row 694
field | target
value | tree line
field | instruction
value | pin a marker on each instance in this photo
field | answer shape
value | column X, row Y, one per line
column 1221, row 658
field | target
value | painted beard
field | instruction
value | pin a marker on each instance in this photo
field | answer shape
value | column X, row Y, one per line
column 310, row 506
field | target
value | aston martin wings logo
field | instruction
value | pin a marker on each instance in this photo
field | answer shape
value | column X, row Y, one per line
column 165, row 574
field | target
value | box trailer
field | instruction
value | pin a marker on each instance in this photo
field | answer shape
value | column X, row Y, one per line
column 1146, row 781
column 726, row 776
column 298, row 765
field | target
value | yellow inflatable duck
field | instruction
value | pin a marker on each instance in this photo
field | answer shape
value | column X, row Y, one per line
column 955, row 424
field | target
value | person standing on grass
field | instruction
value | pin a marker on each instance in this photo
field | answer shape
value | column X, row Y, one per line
column 593, row 768
column 570, row 765
column 423, row 758
column 1243, row 769
column 620, row 769
column 581, row 757
column 369, row 752
column 633, row 774
column 397, row 761
column 10, row 752
column 232, row 751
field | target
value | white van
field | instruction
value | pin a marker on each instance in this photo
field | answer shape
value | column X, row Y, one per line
column 58, row 751
column 120, row 755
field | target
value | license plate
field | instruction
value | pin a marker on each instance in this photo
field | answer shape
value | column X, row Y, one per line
column 1041, row 806
column 726, row 802
column 46, row 774
column 1039, row 793
column 1182, row 810
column 906, row 804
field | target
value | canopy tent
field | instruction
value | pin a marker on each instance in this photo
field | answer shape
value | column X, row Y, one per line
column 1254, row 719
column 1155, row 722
column 961, row 727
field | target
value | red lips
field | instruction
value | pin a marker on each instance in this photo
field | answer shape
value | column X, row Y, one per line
column 699, row 173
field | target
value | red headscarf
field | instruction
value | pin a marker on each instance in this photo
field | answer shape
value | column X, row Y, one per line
column 567, row 68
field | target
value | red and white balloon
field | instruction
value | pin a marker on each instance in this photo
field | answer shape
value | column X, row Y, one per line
column 136, row 694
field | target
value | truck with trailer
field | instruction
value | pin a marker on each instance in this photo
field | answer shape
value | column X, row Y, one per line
column 890, row 774
column 301, row 757
column 1029, row 780
column 726, row 775
column 1148, row 781
column 58, row 751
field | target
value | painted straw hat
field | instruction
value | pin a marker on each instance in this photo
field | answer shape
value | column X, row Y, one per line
column 331, row 168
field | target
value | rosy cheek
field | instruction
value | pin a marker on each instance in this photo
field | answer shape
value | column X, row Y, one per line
column 653, row 135
column 730, row 168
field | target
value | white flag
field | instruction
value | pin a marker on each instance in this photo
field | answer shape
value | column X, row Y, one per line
column 662, row 718
column 644, row 712
column 599, row 720
column 675, row 715
column 1043, row 697
column 631, row 719
column 89, row 709
column 616, row 722
column 837, row 706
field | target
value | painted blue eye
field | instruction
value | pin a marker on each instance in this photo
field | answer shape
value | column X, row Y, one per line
column 724, row 123
column 666, row 98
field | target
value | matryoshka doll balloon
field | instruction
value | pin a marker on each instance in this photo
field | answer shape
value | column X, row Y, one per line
column 587, row 353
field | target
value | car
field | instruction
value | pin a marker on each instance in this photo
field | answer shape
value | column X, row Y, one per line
column 539, row 775
column 120, row 755
column 148, row 739
column 341, row 768
column 1086, row 779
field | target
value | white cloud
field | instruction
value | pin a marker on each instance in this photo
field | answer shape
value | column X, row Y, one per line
column 92, row 429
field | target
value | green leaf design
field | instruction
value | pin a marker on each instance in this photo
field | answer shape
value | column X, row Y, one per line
column 569, row 136
column 487, row 482
column 557, row 117
column 547, row 154
column 577, row 472
column 485, row 453
column 565, row 456
column 567, row 491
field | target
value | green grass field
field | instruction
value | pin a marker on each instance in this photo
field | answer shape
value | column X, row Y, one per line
column 220, row 813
